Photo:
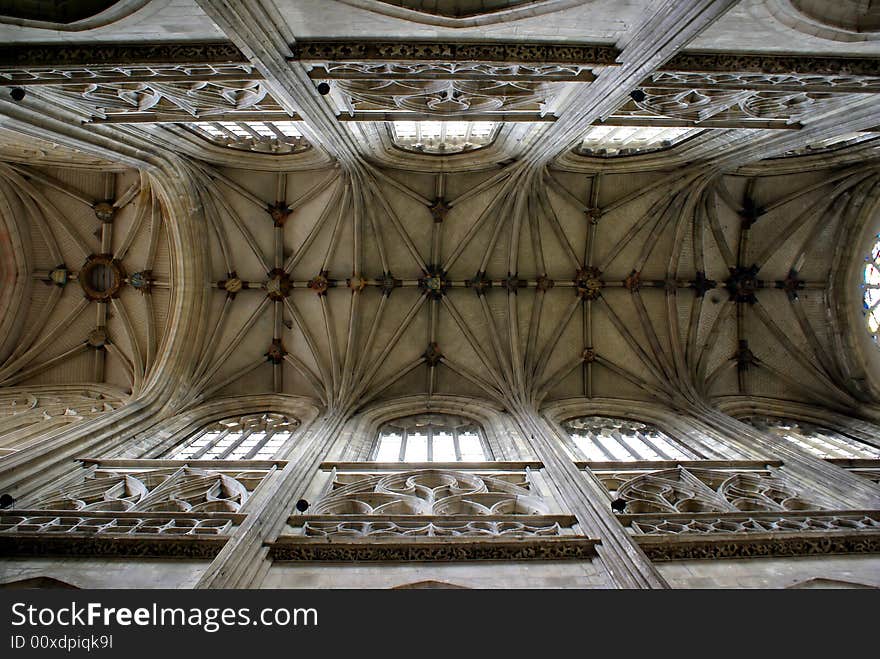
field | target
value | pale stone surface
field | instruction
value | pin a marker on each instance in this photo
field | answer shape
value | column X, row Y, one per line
column 105, row 572
column 771, row 572
column 538, row 574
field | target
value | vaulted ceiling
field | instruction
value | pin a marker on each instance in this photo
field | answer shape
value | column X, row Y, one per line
column 340, row 267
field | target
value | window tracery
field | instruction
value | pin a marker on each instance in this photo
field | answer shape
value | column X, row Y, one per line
column 821, row 442
column 250, row 437
column 430, row 438
column 606, row 439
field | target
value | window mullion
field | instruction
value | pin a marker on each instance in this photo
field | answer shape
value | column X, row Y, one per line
column 595, row 439
column 207, row 447
column 619, row 438
column 259, row 445
column 192, row 440
column 247, row 433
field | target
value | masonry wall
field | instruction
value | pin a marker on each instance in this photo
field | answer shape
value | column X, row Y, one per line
column 105, row 572
column 794, row 572
column 489, row 574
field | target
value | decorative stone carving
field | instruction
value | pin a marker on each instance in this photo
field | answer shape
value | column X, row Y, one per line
column 443, row 96
column 193, row 546
column 784, row 65
column 743, row 284
column 195, row 98
column 362, row 529
column 321, row 283
column 434, row 282
column 757, row 524
column 430, row 492
column 588, row 283
column 700, row 104
column 114, row 525
column 662, row 548
column 449, row 70
column 101, row 277
column 744, row 81
column 278, row 284
column 288, row 548
column 396, row 51
column 431, row 503
column 705, row 490
column 160, row 490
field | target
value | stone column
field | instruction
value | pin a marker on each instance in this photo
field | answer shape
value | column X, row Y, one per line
column 626, row 564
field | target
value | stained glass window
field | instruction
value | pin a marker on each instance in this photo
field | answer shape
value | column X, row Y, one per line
column 871, row 297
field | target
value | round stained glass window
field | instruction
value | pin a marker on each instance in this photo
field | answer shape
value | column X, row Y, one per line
column 872, row 290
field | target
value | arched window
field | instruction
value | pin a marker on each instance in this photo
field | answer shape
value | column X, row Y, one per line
column 821, row 442
column 631, row 140
column 443, row 137
column 250, row 437
column 275, row 137
column 605, row 439
column 430, row 438
column 871, row 298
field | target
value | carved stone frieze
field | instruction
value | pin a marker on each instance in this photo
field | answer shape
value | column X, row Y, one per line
column 772, row 64
column 45, row 56
column 757, row 546
column 46, row 544
column 288, row 548
column 394, row 51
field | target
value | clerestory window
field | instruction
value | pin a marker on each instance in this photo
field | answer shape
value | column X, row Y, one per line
column 276, row 137
column 821, row 442
column 430, row 438
column 443, row 137
column 250, row 437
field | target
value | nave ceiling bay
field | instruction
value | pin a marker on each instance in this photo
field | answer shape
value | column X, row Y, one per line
column 513, row 285
column 531, row 288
